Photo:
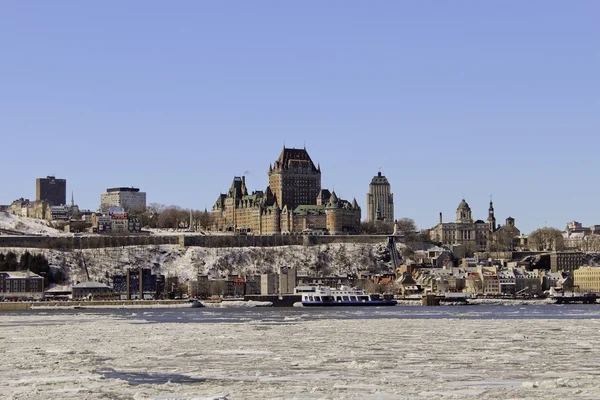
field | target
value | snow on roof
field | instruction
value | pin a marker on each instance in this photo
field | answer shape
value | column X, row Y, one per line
column 59, row 289
column 20, row 274
column 89, row 284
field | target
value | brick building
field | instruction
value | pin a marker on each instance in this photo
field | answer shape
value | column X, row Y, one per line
column 52, row 190
column 21, row 285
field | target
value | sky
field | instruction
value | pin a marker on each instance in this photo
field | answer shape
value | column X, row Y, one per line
column 449, row 100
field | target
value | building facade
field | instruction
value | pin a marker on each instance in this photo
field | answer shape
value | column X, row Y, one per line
column 292, row 203
column 131, row 199
column 587, row 279
column 294, row 179
column 21, row 285
column 474, row 235
column 380, row 200
column 52, row 190
column 565, row 261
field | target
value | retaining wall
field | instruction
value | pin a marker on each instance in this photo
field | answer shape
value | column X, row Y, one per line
column 100, row 241
column 84, row 242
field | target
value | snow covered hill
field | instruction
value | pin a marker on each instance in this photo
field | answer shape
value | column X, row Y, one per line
column 186, row 263
column 27, row 226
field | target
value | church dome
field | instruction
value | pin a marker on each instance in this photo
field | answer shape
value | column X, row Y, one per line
column 463, row 204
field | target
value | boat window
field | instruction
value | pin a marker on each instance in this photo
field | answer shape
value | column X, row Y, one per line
column 310, row 298
column 345, row 298
column 353, row 298
column 364, row 298
column 317, row 298
column 338, row 298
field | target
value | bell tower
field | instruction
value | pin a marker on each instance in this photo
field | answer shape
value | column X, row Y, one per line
column 491, row 218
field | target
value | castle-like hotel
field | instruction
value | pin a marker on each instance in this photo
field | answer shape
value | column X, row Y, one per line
column 294, row 202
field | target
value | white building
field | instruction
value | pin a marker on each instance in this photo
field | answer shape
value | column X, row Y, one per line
column 128, row 198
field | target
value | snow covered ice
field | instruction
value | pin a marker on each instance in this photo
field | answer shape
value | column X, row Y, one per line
column 467, row 352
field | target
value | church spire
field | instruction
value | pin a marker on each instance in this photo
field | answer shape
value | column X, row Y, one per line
column 491, row 217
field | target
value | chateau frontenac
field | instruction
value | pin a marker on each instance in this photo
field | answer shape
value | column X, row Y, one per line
column 294, row 202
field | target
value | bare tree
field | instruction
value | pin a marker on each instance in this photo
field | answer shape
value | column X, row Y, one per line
column 545, row 239
column 376, row 228
column 407, row 227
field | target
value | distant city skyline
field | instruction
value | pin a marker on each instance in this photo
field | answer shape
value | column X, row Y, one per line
column 449, row 102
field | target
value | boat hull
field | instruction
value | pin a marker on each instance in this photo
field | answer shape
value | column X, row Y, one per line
column 372, row 303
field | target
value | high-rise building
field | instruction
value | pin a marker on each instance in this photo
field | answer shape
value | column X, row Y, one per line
column 131, row 199
column 52, row 190
column 294, row 179
column 380, row 202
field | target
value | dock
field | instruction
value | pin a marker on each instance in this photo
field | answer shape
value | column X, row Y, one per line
column 584, row 298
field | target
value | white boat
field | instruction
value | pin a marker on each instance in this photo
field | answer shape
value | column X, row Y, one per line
column 344, row 296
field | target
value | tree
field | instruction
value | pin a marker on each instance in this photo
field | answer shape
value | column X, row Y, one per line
column 206, row 220
column 376, row 228
column 169, row 217
column 407, row 227
column 546, row 239
column 9, row 262
column 25, row 260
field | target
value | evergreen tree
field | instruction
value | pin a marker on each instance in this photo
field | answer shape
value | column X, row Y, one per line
column 25, row 261
column 11, row 262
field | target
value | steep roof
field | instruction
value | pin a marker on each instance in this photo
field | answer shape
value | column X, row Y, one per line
column 309, row 209
column 291, row 157
column 379, row 180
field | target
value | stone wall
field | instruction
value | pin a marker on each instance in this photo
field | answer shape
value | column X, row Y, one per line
column 84, row 242
column 275, row 240
column 100, row 241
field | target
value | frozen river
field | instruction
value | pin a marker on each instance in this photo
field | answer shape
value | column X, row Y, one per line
column 448, row 352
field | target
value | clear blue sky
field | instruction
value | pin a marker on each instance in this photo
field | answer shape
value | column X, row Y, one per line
column 450, row 100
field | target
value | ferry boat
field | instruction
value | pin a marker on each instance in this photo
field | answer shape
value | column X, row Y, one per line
column 344, row 296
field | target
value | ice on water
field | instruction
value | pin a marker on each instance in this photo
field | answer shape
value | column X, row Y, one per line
column 402, row 353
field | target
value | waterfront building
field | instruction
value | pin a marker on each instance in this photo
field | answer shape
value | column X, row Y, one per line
column 21, row 285
column 52, row 190
column 139, row 283
column 89, row 289
column 293, row 203
column 380, row 200
column 565, row 261
column 587, row 279
column 131, row 199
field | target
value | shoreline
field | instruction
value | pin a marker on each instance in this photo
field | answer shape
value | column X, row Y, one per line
column 149, row 304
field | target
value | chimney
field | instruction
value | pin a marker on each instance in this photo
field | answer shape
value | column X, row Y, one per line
column 440, row 217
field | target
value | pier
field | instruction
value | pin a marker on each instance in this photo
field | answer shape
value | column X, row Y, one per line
column 585, row 298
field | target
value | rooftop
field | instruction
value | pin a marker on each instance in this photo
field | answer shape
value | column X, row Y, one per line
column 122, row 189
